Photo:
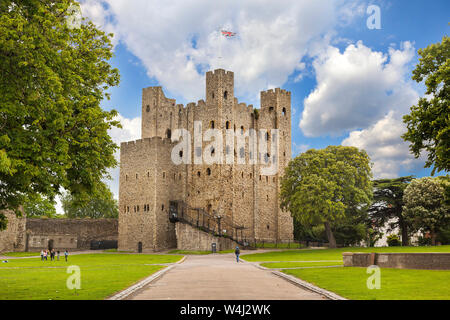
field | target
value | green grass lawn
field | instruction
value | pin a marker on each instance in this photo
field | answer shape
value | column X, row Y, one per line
column 396, row 284
column 278, row 245
column 351, row 282
column 198, row 252
column 331, row 254
column 101, row 276
column 20, row 254
column 280, row 265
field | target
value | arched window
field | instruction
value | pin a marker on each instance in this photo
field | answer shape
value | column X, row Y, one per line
column 208, row 171
column 225, row 95
column 181, row 154
column 198, row 173
column 284, row 111
column 227, row 125
column 136, row 176
column 212, row 125
column 148, row 108
column 168, row 133
column 242, row 129
column 270, row 109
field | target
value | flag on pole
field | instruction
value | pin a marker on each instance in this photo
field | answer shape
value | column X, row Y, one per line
column 228, row 34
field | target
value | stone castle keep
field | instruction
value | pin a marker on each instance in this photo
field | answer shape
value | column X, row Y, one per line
column 152, row 186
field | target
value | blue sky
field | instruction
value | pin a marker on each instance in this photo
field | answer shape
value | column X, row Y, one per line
column 350, row 85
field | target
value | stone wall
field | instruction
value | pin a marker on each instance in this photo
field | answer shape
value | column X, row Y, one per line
column 74, row 234
column 193, row 239
column 13, row 238
column 426, row 260
column 239, row 190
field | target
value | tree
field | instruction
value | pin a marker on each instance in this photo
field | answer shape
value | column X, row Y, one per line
column 429, row 122
column 388, row 204
column 425, row 206
column 326, row 186
column 100, row 205
column 53, row 132
column 39, row 207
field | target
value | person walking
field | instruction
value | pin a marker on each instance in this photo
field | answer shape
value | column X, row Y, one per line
column 57, row 252
column 52, row 255
column 45, row 255
column 66, row 254
column 42, row 255
column 237, row 252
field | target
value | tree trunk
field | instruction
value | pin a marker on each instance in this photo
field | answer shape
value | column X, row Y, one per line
column 330, row 235
column 405, row 240
column 433, row 238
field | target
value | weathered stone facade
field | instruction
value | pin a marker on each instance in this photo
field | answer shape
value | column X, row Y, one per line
column 13, row 238
column 193, row 239
column 149, row 179
column 74, row 234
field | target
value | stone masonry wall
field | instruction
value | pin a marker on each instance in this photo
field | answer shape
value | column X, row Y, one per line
column 193, row 239
column 75, row 234
column 413, row 260
column 13, row 238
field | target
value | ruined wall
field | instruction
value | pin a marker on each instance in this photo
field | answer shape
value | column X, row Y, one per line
column 13, row 237
column 75, row 234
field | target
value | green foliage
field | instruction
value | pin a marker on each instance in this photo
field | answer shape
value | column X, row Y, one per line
column 425, row 205
column 393, row 240
column 100, row 205
column 429, row 122
column 388, row 204
column 39, row 206
column 327, row 186
column 53, row 132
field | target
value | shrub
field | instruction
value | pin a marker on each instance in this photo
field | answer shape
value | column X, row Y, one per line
column 393, row 240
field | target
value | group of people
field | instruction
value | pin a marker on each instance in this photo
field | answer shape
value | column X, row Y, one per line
column 52, row 253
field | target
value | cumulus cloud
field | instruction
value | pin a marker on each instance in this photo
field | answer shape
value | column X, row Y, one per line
column 131, row 130
column 356, row 88
column 177, row 41
column 387, row 150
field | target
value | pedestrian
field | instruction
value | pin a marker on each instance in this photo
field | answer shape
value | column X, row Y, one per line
column 45, row 255
column 52, row 255
column 66, row 254
column 237, row 252
column 57, row 252
column 42, row 255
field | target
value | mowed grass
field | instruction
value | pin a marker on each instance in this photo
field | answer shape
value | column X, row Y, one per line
column 396, row 284
column 281, row 265
column 331, row 254
column 101, row 276
column 20, row 254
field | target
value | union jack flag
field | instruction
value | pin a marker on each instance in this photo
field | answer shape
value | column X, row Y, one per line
column 228, row 34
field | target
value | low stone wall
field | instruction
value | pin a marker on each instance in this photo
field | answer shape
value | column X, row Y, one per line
column 422, row 260
column 12, row 238
column 74, row 234
column 193, row 239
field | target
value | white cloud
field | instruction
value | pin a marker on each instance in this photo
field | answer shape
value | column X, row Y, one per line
column 387, row 150
column 177, row 41
column 131, row 130
column 356, row 88
column 298, row 148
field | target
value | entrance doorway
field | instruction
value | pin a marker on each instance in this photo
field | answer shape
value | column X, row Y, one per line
column 140, row 247
column 50, row 244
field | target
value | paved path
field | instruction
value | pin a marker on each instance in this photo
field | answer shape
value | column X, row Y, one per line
column 220, row 277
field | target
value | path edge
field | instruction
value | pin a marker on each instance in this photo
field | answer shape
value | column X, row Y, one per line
column 308, row 286
column 137, row 286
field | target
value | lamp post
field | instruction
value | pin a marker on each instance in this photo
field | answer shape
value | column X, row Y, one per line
column 218, row 217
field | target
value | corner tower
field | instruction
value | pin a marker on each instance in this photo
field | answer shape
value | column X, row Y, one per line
column 220, row 88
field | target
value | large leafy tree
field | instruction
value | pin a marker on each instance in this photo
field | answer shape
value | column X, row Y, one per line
column 53, row 132
column 388, row 204
column 429, row 122
column 100, row 205
column 39, row 206
column 327, row 186
column 425, row 205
